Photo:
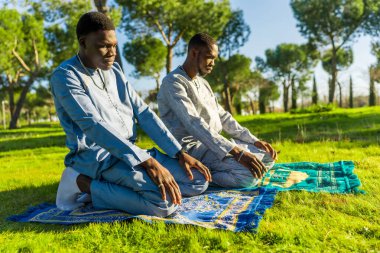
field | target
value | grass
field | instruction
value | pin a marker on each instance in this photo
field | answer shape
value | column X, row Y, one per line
column 31, row 161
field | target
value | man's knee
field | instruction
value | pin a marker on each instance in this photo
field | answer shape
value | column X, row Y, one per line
column 196, row 186
column 250, row 181
column 162, row 210
column 234, row 175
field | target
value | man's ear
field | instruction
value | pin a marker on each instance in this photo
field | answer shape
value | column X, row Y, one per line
column 82, row 42
column 194, row 52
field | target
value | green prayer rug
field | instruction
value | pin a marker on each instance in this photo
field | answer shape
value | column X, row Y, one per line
column 336, row 177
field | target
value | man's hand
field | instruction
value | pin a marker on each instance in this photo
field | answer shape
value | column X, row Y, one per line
column 163, row 179
column 187, row 162
column 250, row 161
column 267, row 148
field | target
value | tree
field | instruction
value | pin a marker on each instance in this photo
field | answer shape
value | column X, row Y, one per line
column 288, row 62
column 314, row 94
column 147, row 55
column 41, row 35
column 372, row 88
column 232, row 75
column 173, row 20
column 235, row 34
column 374, row 74
column 294, row 94
column 25, row 58
column 268, row 92
column 343, row 58
column 334, row 23
column 351, row 96
column 61, row 18
column 302, row 89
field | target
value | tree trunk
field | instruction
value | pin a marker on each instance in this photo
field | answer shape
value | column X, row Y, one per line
column 372, row 92
column 157, row 84
column 340, row 95
column 16, row 114
column 169, row 58
column 11, row 98
column 314, row 97
column 294, row 94
column 333, row 77
column 252, row 106
column 262, row 106
column 227, row 94
column 286, row 96
column 351, row 98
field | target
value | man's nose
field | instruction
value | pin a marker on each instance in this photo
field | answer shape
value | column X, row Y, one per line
column 112, row 51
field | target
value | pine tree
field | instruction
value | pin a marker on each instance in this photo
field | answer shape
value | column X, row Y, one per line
column 351, row 99
column 314, row 94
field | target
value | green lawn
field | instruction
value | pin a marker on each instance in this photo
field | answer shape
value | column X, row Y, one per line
column 31, row 161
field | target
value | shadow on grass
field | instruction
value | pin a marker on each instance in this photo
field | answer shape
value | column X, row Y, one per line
column 18, row 201
column 34, row 142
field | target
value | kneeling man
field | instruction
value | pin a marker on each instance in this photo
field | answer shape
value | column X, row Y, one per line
column 190, row 110
column 98, row 110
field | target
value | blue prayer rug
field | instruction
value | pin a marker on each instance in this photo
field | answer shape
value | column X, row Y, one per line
column 234, row 210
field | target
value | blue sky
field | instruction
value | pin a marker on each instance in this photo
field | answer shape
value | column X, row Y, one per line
column 272, row 23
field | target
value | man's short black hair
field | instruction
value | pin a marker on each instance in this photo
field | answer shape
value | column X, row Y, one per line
column 93, row 22
column 201, row 40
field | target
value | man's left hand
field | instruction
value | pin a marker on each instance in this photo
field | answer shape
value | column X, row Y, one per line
column 267, row 148
column 187, row 162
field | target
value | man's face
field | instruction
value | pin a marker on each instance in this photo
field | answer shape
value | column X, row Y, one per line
column 100, row 48
column 206, row 59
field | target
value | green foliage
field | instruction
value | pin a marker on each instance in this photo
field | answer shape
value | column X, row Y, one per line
column 32, row 163
column 174, row 20
column 331, row 21
column 317, row 108
column 334, row 23
column 344, row 58
column 286, row 59
column 235, row 34
column 268, row 91
column 289, row 63
column 231, row 76
column 147, row 55
column 61, row 18
column 233, row 70
column 10, row 32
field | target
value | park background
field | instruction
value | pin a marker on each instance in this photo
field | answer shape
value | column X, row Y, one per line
column 302, row 74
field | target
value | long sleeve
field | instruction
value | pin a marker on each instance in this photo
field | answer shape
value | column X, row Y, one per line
column 184, row 109
column 152, row 125
column 233, row 128
column 71, row 95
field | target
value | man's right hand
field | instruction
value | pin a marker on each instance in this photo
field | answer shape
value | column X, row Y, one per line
column 163, row 179
column 250, row 161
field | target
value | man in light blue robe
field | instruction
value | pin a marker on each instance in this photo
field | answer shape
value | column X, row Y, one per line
column 98, row 110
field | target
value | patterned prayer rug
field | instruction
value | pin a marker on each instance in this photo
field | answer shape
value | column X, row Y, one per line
column 234, row 210
column 337, row 177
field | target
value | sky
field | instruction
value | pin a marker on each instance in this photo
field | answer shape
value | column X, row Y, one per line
column 272, row 23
